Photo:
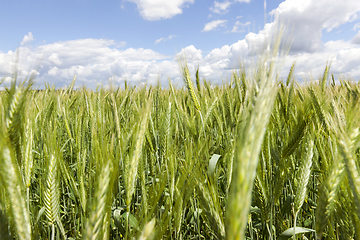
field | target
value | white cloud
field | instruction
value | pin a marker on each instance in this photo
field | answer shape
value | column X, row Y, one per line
column 306, row 19
column 54, row 58
column 344, row 57
column 218, row 54
column 164, row 39
column 27, row 38
column 257, row 43
column 6, row 62
column 96, row 60
column 191, row 53
column 159, row 40
column 220, row 7
column 92, row 60
column 356, row 26
column 213, row 25
column 160, row 9
column 239, row 27
column 53, row 71
column 356, row 38
column 221, row 61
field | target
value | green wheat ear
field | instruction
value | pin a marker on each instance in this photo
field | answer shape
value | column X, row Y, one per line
column 325, row 77
column 288, row 80
column 51, row 196
column 11, row 180
column 198, row 86
column 189, row 86
column 248, row 148
column 148, row 230
column 97, row 223
column 247, row 157
column 303, row 177
column 132, row 165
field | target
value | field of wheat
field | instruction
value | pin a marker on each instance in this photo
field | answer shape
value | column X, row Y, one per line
column 256, row 158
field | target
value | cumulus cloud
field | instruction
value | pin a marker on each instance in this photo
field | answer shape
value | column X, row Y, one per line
column 305, row 22
column 54, row 58
column 213, row 25
column 306, row 19
column 257, row 42
column 160, row 9
column 96, row 60
column 356, row 38
column 221, row 61
column 344, row 57
column 27, row 38
column 191, row 53
column 92, row 60
column 220, row 7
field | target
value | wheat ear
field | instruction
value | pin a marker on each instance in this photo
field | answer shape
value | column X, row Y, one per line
column 247, row 153
column 133, row 164
column 148, row 230
column 190, row 87
column 11, row 178
column 51, row 196
column 97, row 222
column 303, row 179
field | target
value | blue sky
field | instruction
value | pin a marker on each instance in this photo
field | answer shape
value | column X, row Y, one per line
column 138, row 40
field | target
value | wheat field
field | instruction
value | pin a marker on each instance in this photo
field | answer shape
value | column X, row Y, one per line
column 255, row 158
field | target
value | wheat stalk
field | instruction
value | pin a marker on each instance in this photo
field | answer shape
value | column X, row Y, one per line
column 4, row 226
